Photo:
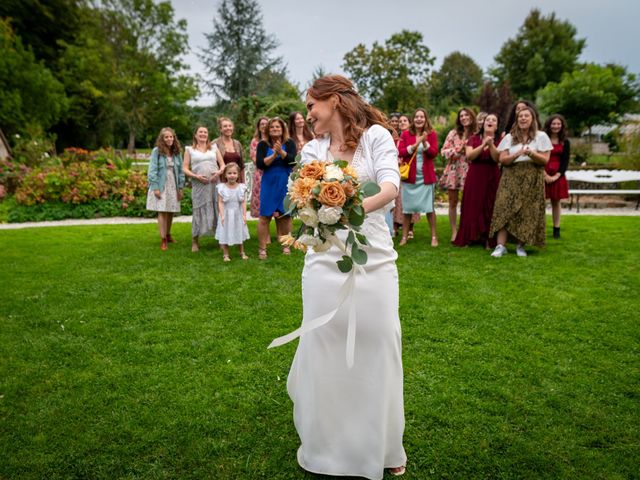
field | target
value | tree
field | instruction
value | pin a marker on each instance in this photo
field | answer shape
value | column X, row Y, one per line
column 391, row 75
column 591, row 94
column 541, row 52
column 42, row 25
column 30, row 96
column 457, row 82
column 496, row 99
column 239, row 51
column 148, row 46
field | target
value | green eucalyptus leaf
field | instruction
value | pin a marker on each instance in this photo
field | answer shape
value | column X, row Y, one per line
column 356, row 216
column 340, row 163
column 351, row 238
column 362, row 239
column 369, row 188
column 345, row 265
column 358, row 255
column 288, row 205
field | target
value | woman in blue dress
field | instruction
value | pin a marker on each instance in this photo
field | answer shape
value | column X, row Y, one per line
column 276, row 157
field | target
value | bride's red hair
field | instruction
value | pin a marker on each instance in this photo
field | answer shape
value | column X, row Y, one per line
column 356, row 113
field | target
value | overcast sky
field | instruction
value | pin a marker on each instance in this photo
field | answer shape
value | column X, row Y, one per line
column 320, row 32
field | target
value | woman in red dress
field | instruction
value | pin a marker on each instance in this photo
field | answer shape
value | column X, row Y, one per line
column 230, row 148
column 556, row 187
column 481, row 185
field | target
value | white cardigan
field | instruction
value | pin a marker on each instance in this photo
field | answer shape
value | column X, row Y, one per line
column 375, row 158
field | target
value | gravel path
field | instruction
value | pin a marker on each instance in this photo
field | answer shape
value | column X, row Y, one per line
column 627, row 212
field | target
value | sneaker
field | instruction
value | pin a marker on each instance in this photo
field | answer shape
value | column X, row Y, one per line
column 499, row 251
column 520, row 251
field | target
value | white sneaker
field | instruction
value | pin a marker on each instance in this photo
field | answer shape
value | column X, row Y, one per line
column 520, row 251
column 499, row 251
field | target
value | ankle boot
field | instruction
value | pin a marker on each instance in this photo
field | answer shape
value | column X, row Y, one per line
column 556, row 232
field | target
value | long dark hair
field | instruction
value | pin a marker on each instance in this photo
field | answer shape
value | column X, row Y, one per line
column 465, row 132
column 357, row 114
column 285, row 131
column 428, row 126
column 562, row 134
column 163, row 148
column 496, row 135
column 518, row 136
column 306, row 131
column 511, row 119
column 257, row 135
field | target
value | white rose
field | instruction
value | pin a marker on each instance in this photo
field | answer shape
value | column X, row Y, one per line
column 329, row 215
column 308, row 216
column 333, row 172
column 309, row 240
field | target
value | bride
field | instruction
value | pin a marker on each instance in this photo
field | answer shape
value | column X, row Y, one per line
column 350, row 419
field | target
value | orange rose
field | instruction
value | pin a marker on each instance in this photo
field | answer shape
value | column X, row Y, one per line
column 349, row 170
column 301, row 191
column 313, row 170
column 286, row 240
column 299, row 246
column 332, row 194
column 349, row 191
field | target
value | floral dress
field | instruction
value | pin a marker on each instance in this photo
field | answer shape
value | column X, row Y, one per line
column 257, row 181
column 455, row 172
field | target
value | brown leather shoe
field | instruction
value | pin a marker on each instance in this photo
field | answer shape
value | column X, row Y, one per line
column 163, row 244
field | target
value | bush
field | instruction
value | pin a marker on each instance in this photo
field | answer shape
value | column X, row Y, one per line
column 35, row 148
column 581, row 152
column 11, row 174
column 80, row 183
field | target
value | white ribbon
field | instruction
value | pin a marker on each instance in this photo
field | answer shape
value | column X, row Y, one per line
column 347, row 293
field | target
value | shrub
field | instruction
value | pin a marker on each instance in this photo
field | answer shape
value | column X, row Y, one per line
column 35, row 148
column 11, row 174
column 80, row 183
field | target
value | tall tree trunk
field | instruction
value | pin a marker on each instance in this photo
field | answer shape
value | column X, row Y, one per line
column 131, row 148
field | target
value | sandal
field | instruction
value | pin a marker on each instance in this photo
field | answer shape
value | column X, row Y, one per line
column 434, row 241
column 195, row 247
column 410, row 235
column 170, row 239
column 286, row 251
column 244, row 257
column 397, row 471
column 225, row 258
column 262, row 253
column 403, row 241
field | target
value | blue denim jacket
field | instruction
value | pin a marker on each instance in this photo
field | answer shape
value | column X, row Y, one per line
column 157, row 174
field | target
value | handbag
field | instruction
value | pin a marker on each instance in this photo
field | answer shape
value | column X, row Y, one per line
column 406, row 167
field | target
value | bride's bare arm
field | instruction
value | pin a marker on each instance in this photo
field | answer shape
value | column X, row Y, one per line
column 388, row 191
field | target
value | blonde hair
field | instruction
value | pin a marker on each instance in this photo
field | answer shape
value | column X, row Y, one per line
column 224, row 119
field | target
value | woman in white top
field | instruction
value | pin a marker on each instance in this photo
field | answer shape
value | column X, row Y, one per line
column 519, row 210
column 348, row 409
column 203, row 163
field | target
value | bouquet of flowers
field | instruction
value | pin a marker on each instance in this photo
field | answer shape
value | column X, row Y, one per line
column 327, row 197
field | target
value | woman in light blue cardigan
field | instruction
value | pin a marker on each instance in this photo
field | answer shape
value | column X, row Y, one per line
column 166, row 181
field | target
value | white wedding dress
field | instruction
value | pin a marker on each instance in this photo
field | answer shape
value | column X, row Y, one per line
column 351, row 420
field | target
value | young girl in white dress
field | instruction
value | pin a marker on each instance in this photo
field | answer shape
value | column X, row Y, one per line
column 350, row 414
column 232, row 212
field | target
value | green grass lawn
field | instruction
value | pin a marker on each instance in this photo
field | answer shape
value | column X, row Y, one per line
column 118, row 360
